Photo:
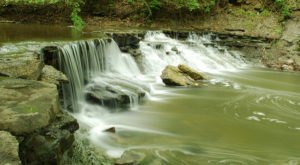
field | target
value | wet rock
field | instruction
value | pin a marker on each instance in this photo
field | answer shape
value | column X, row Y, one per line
column 194, row 74
column 181, row 35
column 174, row 49
column 135, row 52
column 53, row 76
column 113, row 97
column 24, row 65
column 130, row 158
column 172, row 76
column 125, row 49
column 158, row 46
column 128, row 39
column 26, row 105
column 9, row 149
column 50, row 56
column 49, row 145
column 111, row 130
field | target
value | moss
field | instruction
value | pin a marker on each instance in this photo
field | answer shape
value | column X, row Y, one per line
column 4, row 78
column 278, row 30
column 30, row 109
column 265, row 13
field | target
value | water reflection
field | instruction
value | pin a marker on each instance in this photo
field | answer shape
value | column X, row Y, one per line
column 35, row 32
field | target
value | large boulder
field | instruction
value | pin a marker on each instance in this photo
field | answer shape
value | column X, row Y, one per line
column 194, row 74
column 173, row 76
column 9, row 149
column 26, row 105
column 23, row 65
column 53, row 76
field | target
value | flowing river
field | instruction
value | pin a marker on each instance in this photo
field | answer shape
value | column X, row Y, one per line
column 242, row 114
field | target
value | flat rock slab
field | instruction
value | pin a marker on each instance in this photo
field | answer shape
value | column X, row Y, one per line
column 22, row 65
column 9, row 149
column 26, row 105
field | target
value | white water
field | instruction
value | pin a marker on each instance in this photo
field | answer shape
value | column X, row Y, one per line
column 99, row 62
column 88, row 61
column 191, row 52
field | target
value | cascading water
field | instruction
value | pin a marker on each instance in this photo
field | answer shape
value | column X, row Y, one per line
column 243, row 116
column 160, row 50
column 98, row 71
column 91, row 63
column 101, row 63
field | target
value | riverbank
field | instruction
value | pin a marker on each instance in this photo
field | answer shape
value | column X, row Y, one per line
column 28, row 119
column 249, row 19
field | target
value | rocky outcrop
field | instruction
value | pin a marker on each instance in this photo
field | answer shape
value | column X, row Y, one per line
column 284, row 53
column 181, row 76
column 49, row 145
column 24, row 65
column 53, row 76
column 30, row 110
column 9, row 149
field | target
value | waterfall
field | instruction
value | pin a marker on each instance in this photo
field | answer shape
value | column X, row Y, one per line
column 88, row 65
column 160, row 50
column 103, row 79
column 101, row 74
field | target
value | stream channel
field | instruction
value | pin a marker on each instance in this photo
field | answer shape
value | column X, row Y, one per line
column 244, row 113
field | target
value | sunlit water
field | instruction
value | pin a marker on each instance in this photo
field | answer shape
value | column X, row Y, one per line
column 243, row 115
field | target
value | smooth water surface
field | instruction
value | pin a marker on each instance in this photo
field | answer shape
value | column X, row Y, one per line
column 35, row 32
column 243, row 115
column 253, row 118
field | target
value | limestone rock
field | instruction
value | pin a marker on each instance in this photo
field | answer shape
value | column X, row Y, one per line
column 26, row 105
column 49, row 145
column 194, row 74
column 53, row 76
column 173, row 76
column 24, row 65
column 9, row 149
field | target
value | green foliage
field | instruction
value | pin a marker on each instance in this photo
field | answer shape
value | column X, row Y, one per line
column 155, row 5
column 73, row 4
column 284, row 7
column 76, row 19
